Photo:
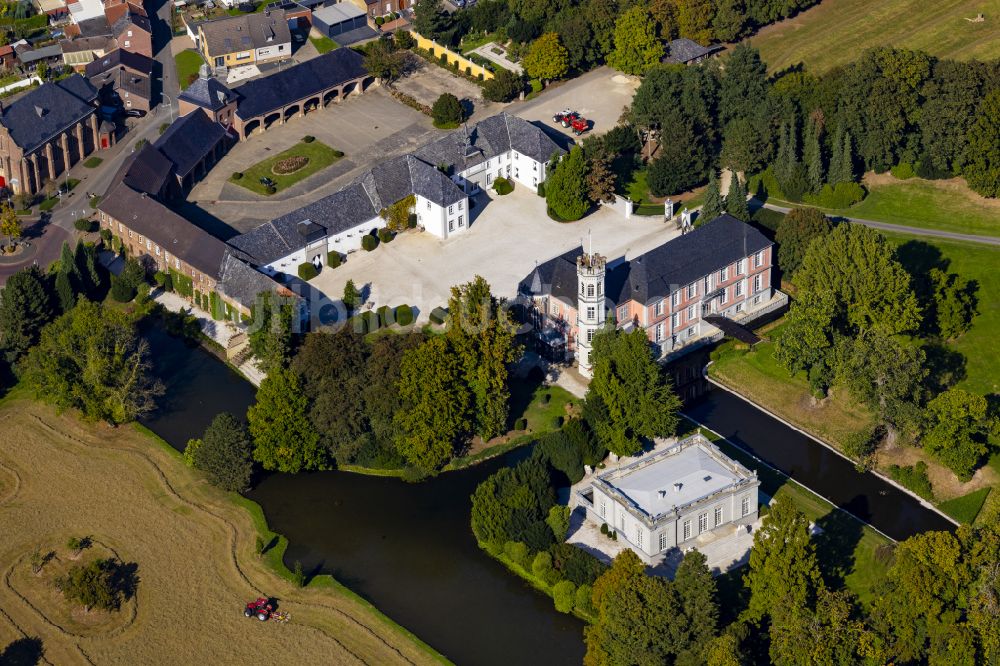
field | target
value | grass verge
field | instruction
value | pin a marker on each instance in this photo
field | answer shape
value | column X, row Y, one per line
column 966, row 508
column 93, row 162
column 188, row 63
column 319, row 155
column 323, row 44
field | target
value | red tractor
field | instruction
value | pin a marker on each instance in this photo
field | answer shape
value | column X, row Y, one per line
column 580, row 125
column 565, row 118
column 261, row 609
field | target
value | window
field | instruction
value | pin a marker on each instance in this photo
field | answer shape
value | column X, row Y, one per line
column 692, row 290
column 739, row 307
column 591, row 313
column 675, row 298
column 658, row 310
column 604, row 508
column 756, row 282
column 687, row 530
column 691, row 331
column 451, row 225
column 534, row 166
column 738, row 289
column 157, row 250
column 638, row 536
column 461, row 204
column 674, row 321
column 590, row 290
column 555, row 309
column 741, row 266
column 663, row 540
column 489, row 178
column 659, row 332
column 702, row 523
column 428, row 205
column 177, row 263
column 451, row 209
column 718, row 516
column 758, row 259
column 129, row 33
column 127, row 43
column 622, row 313
column 140, row 239
column 745, row 506
column 590, row 337
column 724, row 274
column 724, row 297
column 461, row 220
column 690, row 313
column 708, row 283
column 149, row 246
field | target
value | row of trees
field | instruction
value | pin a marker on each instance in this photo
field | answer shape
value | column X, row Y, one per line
column 863, row 320
column 813, row 136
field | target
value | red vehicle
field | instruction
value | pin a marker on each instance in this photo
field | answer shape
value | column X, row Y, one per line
column 566, row 117
column 580, row 125
column 261, row 609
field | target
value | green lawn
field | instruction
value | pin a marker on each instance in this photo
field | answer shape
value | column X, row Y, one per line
column 320, row 156
column 528, row 401
column 470, row 42
column 965, row 509
column 93, row 162
column 188, row 63
column 835, row 32
column 323, row 44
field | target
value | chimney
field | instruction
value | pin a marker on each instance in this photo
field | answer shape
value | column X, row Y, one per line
column 677, row 487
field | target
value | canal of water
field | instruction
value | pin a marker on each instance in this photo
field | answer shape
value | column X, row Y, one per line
column 409, row 550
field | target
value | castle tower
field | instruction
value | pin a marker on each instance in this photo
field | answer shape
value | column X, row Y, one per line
column 590, row 271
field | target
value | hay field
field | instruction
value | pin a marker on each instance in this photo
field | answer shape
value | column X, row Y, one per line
column 193, row 545
column 835, row 32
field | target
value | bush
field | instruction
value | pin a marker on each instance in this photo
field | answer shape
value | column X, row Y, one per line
column 237, row 175
column 564, row 596
column 540, row 189
column 541, row 566
column 913, row 478
column 308, row 271
column 411, row 221
column 404, row 40
column 903, row 171
column 106, row 235
column 122, row 290
column 308, row 138
column 333, row 259
column 546, row 398
column 582, row 600
column 502, row 186
column 521, row 424
column 93, row 585
column 404, row 315
column 842, row 195
column 447, row 111
column 379, row 20
column 925, row 169
column 604, row 529
column 438, row 316
column 84, row 224
column 369, row 242
column 517, row 552
column 163, row 280
column 385, row 236
column 271, row 189
column 370, row 321
column 556, row 423
column 385, row 316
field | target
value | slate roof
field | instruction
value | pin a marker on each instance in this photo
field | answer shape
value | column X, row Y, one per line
column 125, row 71
column 190, row 139
column 112, row 59
column 148, row 171
column 170, row 231
column 245, row 33
column 208, row 93
column 263, row 95
column 51, row 51
column 131, row 19
column 682, row 51
column 241, row 282
column 94, row 27
column 657, row 273
column 489, row 138
column 44, row 112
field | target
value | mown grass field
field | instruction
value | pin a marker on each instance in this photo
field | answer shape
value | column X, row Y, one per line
column 194, row 547
column 835, row 32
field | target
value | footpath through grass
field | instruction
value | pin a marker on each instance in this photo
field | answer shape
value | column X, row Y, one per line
column 318, row 154
column 835, row 32
column 188, row 63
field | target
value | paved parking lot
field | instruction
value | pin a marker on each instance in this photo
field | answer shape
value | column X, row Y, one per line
column 600, row 95
column 508, row 237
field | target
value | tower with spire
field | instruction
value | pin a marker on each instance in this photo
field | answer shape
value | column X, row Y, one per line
column 590, row 311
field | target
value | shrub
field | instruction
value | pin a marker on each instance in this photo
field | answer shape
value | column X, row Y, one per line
column 444, row 59
column 557, row 422
column 308, row 271
column 582, row 600
column 122, row 290
column 540, row 189
column 163, row 280
column 237, row 175
column 517, row 552
column 370, row 321
column 604, row 528
column 842, row 195
column 447, row 111
column 84, row 224
column 93, row 585
column 369, row 242
column 502, row 186
column 521, row 424
column 385, row 316
column 106, row 235
column 379, row 20
column 564, row 596
column 541, row 566
column 385, row 236
column 298, row 577
column 411, row 221
column 333, row 259
column 913, row 478
column 903, row 171
column 404, row 315
column 925, row 168
column 271, row 189
column 546, row 398
column 404, row 40
column 308, row 138
column 438, row 316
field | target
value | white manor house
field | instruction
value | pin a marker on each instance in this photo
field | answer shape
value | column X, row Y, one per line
column 688, row 495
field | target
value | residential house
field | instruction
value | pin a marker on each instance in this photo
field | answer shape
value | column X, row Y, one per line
column 672, row 292
column 30, row 58
column 375, row 8
column 245, row 40
column 123, row 76
column 689, row 495
column 47, row 130
column 80, row 51
column 133, row 32
column 8, row 58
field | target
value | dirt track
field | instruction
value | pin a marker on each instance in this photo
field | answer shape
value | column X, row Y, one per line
column 193, row 547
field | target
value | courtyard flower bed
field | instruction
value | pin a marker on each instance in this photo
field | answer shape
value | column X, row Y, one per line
column 287, row 168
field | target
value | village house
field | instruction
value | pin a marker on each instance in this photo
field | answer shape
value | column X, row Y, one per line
column 679, row 497
column 375, row 8
column 245, row 40
column 677, row 293
column 46, row 131
column 123, row 76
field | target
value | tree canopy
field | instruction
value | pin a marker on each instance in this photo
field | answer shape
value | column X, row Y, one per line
column 547, row 58
column 566, row 192
column 637, row 47
column 283, row 438
column 225, row 453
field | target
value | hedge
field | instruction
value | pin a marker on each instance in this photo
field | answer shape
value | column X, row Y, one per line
column 84, row 224
column 333, row 259
column 438, row 315
column 842, row 195
column 183, row 284
column 502, row 186
column 217, row 307
column 308, row 271
column 369, row 242
column 163, row 280
column 404, row 315
column 384, row 236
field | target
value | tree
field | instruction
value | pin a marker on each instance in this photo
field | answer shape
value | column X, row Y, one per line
column 729, row 22
column 503, row 87
column 795, row 232
column 812, row 155
column 951, row 98
column 64, row 292
column 566, row 192
column 698, row 605
column 93, row 359
column 826, row 634
column 25, row 307
column 225, row 453
column 482, row 337
column 954, row 303
column 783, row 571
column 429, row 18
column 271, row 334
column 744, row 146
column 842, row 162
column 547, row 59
column 397, row 216
column 743, row 91
column 283, row 438
column 982, row 163
column 600, row 179
column 713, row 206
column 447, row 111
column 637, row 47
column 92, row 585
column 805, row 340
column 124, row 286
column 681, row 162
column 352, row 297
column 957, row 430
column 736, row 199
column 695, row 20
column 724, row 650
column 635, row 615
column 383, row 61
column 640, row 402
column 10, row 223
column 858, row 266
column 437, row 411
column 512, row 505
